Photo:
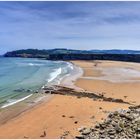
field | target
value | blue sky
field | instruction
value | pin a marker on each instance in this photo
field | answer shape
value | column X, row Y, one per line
column 73, row 25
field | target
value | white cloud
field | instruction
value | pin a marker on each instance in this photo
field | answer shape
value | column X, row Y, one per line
column 84, row 25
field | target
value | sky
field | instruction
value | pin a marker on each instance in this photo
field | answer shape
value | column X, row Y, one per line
column 72, row 25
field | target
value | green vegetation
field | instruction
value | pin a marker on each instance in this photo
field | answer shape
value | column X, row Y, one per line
column 67, row 54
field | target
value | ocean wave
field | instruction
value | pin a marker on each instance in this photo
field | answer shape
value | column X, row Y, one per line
column 55, row 74
column 70, row 66
column 13, row 101
column 30, row 64
column 35, row 64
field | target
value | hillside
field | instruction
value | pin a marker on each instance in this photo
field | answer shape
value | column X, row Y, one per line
column 68, row 54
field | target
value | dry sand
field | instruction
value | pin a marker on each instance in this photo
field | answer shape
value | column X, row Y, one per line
column 68, row 113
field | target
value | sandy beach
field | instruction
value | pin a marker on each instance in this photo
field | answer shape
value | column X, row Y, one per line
column 63, row 115
column 114, row 79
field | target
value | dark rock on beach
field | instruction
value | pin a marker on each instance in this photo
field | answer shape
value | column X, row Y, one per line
column 66, row 133
column 44, row 134
column 23, row 90
column 62, row 90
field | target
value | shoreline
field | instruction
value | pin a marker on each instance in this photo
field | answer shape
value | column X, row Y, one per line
column 62, row 116
column 70, row 79
column 32, row 101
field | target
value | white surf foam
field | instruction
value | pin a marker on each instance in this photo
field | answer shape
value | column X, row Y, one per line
column 70, row 66
column 34, row 64
column 55, row 74
column 29, row 64
column 12, row 102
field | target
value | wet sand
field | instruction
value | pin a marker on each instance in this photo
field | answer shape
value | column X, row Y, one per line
column 63, row 115
column 119, row 84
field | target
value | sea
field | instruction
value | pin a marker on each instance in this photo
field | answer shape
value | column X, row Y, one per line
column 21, row 77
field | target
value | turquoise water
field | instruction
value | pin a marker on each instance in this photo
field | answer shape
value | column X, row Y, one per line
column 19, row 77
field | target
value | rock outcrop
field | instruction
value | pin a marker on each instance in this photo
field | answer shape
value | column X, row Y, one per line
column 122, row 124
column 61, row 90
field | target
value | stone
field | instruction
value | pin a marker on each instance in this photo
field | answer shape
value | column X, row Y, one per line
column 71, row 116
column 121, row 124
column 102, row 131
column 44, row 134
column 116, row 113
column 79, row 137
column 28, row 90
column 129, row 117
column 108, row 121
column 114, row 123
column 97, row 126
column 110, row 115
column 112, row 137
column 66, row 133
column 25, row 137
column 111, row 132
column 36, row 91
column 86, row 131
column 122, row 115
column 138, row 110
column 118, row 128
column 135, row 116
column 138, row 136
column 81, row 128
column 102, row 137
column 138, row 129
column 19, row 90
column 100, row 108
column 128, row 111
column 137, row 119
column 117, row 100
column 63, row 116
column 103, row 125
column 108, row 99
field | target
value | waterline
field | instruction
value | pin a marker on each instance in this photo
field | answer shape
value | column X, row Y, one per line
column 16, row 101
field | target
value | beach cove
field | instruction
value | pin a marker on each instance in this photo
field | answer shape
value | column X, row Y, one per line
column 60, row 116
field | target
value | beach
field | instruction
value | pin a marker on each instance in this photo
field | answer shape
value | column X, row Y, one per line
column 62, row 116
column 123, row 83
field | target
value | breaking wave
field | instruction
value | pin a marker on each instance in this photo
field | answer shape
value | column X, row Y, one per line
column 33, row 64
column 14, row 101
column 55, row 74
column 70, row 66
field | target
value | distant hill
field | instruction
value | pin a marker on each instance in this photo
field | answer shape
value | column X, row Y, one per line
column 69, row 54
column 69, row 51
column 116, row 51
